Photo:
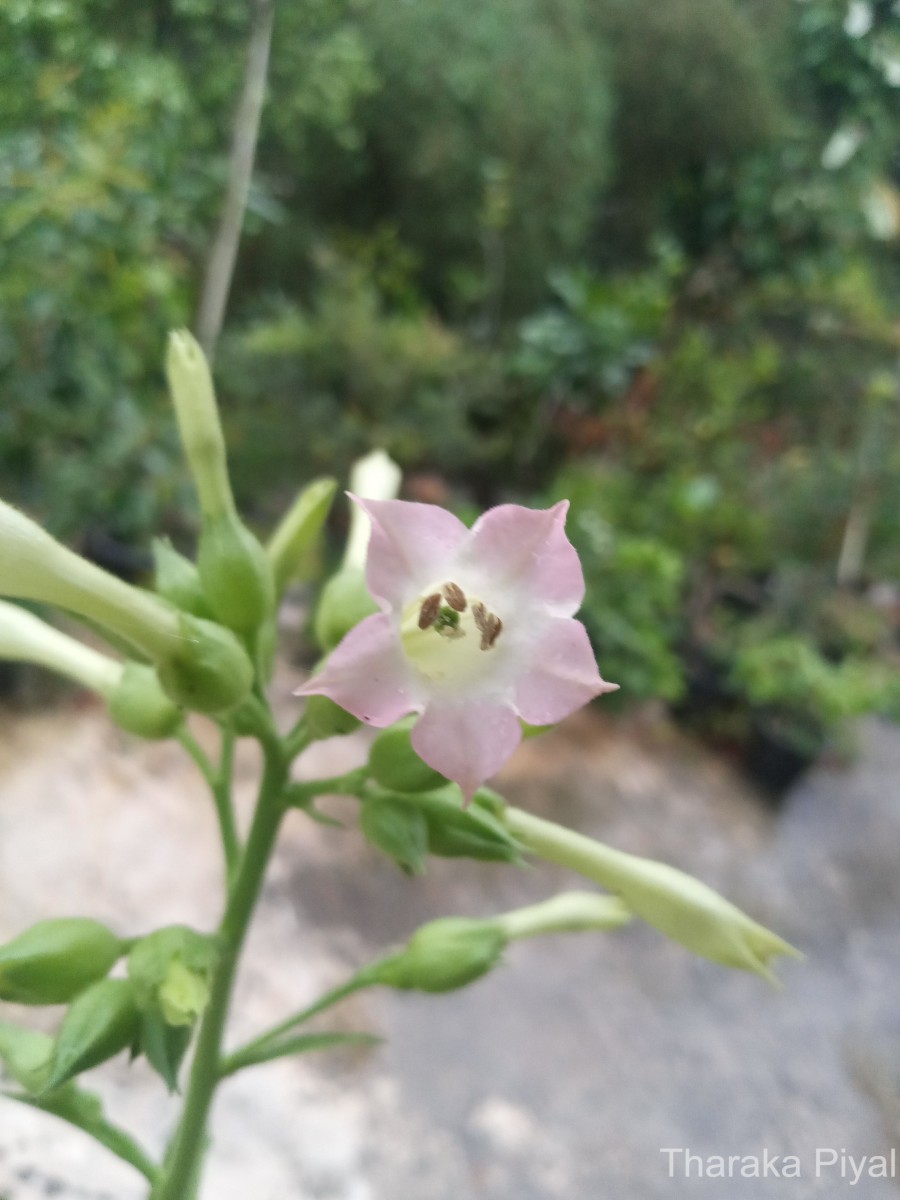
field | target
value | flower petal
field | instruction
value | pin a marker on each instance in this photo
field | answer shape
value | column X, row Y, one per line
column 561, row 677
column 467, row 742
column 410, row 547
column 527, row 549
column 368, row 675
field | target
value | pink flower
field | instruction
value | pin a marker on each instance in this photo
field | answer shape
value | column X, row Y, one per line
column 475, row 632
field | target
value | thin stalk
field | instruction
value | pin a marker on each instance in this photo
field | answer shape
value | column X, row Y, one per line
column 248, row 1053
column 219, row 783
column 188, row 1142
column 349, row 784
column 301, row 1043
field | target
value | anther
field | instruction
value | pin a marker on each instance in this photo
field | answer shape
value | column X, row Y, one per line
column 480, row 614
column 490, row 634
column 456, row 597
column 428, row 613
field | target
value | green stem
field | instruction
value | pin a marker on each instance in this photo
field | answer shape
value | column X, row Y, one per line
column 116, row 1140
column 219, row 783
column 188, row 1142
column 300, row 1043
column 248, row 1053
column 298, row 739
column 349, row 784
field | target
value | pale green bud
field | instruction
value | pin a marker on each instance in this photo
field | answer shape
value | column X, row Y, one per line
column 177, row 579
column 676, row 904
column 99, row 1024
column 290, row 546
column 171, row 970
column 55, row 960
column 139, row 705
column 394, row 764
column 26, row 638
column 208, row 669
column 444, row 954
column 374, row 477
column 344, row 602
column 235, row 573
column 191, row 385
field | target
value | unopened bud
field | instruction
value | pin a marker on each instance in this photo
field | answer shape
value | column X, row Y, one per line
column 394, row 764
column 55, row 960
column 191, row 385
column 291, row 546
column 235, row 573
column 325, row 719
column 99, row 1024
column 140, row 706
column 445, row 954
column 26, row 638
column 374, row 477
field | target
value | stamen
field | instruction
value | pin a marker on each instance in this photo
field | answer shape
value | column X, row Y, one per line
column 491, row 633
column 480, row 613
column 456, row 597
column 428, row 613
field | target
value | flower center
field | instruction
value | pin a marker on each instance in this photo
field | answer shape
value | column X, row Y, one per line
column 448, row 636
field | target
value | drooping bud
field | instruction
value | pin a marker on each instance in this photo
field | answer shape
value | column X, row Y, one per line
column 177, row 579
column 235, row 573
column 443, row 955
column 679, row 906
column 99, row 1024
column 191, row 385
column 394, row 764
column 291, row 545
column 207, row 670
column 55, row 960
column 140, row 706
column 171, row 970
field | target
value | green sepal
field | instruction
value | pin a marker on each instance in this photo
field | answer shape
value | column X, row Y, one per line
column 292, row 547
column 394, row 764
column 171, row 971
column 99, row 1024
column 53, row 961
column 235, row 573
column 139, row 705
column 397, row 829
column 177, row 579
column 457, row 832
column 208, row 669
column 164, row 1046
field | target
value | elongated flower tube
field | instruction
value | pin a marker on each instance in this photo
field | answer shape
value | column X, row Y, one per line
column 201, row 665
column 26, row 638
column 475, row 631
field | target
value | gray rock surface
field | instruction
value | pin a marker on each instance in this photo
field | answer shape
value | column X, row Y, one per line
column 563, row 1074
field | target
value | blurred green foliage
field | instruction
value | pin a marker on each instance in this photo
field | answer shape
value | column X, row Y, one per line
column 642, row 255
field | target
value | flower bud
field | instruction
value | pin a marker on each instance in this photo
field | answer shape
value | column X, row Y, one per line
column 398, row 830
column 191, row 385
column 139, row 705
column 290, row 546
column 394, row 764
column 177, row 579
column 679, row 906
column 207, row 669
column 570, row 912
column 344, row 602
column 26, row 1056
column 26, row 638
column 235, row 573
column 171, row 970
column 444, row 954
column 374, row 477
column 99, row 1023
column 325, row 719
column 55, row 960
